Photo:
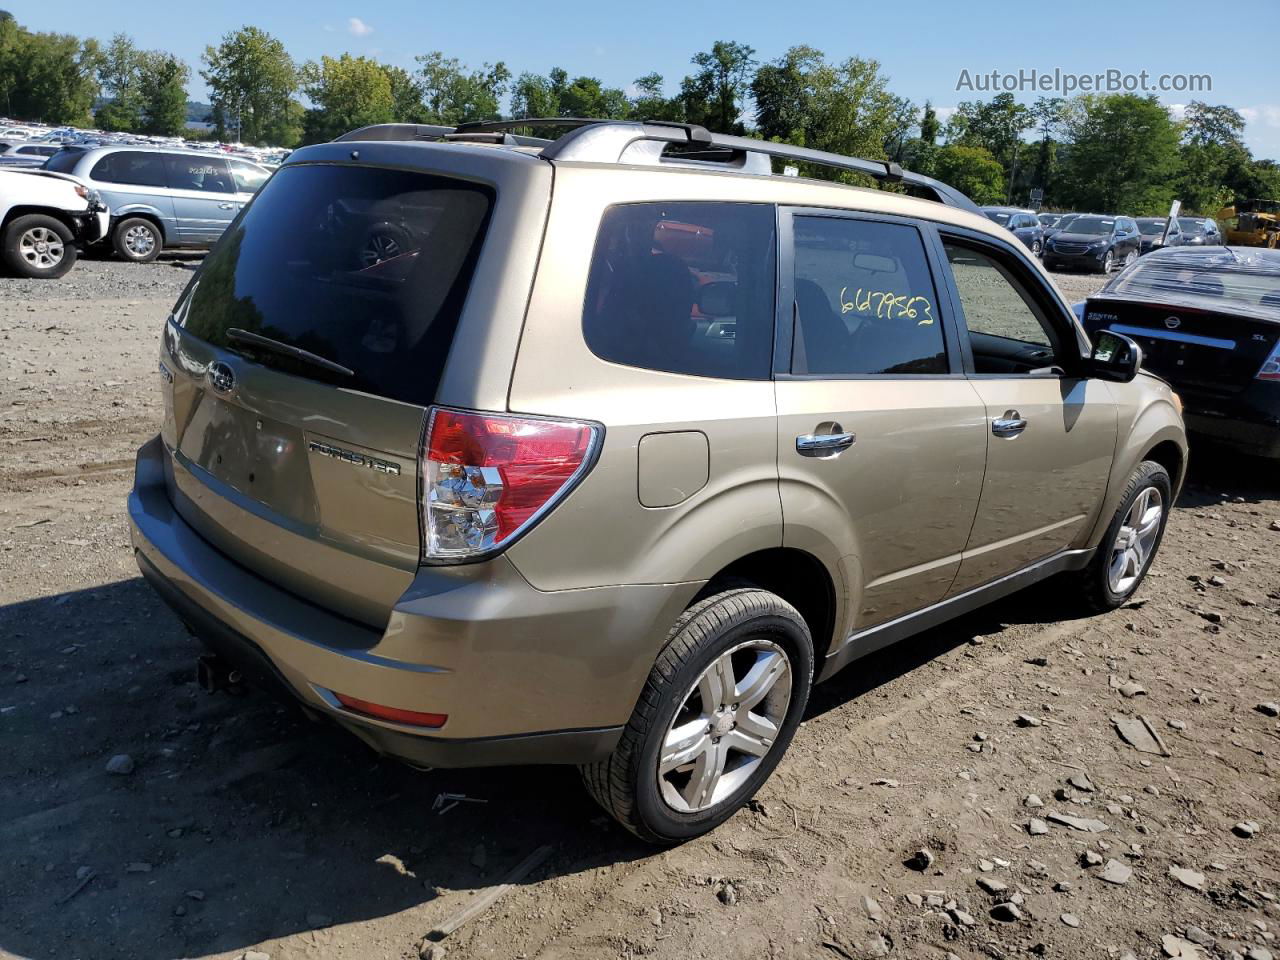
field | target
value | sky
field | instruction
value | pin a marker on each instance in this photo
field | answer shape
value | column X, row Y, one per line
column 923, row 47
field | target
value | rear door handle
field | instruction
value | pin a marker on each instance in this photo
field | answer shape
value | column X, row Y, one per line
column 1010, row 425
column 226, row 206
column 818, row 444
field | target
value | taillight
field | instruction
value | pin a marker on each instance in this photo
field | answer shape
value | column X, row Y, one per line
column 487, row 477
column 1271, row 369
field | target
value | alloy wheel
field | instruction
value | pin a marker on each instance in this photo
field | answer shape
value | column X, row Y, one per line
column 1134, row 541
column 139, row 240
column 41, row 248
column 1108, row 263
column 726, row 724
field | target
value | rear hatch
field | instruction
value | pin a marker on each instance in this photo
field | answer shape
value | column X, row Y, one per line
column 298, row 366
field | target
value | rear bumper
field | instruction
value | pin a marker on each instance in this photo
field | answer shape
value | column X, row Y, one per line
column 525, row 676
column 1248, row 422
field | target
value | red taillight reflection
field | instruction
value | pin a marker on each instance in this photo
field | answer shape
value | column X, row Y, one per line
column 412, row 718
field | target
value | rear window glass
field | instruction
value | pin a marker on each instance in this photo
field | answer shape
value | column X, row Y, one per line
column 684, row 288
column 364, row 267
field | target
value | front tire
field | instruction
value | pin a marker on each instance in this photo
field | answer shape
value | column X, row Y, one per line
column 39, row 247
column 137, row 239
column 718, row 711
column 1129, row 546
column 1036, row 249
column 1108, row 263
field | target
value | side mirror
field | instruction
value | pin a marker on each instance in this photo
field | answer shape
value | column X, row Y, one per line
column 1115, row 357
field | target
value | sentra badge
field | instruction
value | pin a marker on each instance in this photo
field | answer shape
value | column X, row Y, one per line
column 353, row 458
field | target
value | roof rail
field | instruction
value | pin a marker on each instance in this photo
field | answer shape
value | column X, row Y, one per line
column 634, row 142
column 645, row 142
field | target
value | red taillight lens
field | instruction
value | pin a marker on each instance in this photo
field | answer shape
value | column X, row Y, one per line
column 487, row 476
column 1271, row 369
column 414, row 718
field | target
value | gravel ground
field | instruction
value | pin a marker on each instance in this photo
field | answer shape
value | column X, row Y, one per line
column 234, row 826
column 99, row 278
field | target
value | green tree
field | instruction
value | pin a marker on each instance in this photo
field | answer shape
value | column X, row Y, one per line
column 996, row 125
column 55, row 77
column 118, row 75
column 972, row 170
column 346, row 93
column 162, row 93
column 252, row 80
column 650, row 103
column 454, row 93
column 842, row 108
column 1124, row 155
column 534, row 95
column 929, row 125
column 406, row 96
column 902, row 118
column 715, row 96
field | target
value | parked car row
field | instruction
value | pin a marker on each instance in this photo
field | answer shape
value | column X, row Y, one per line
column 156, row 199
column 1100, row 242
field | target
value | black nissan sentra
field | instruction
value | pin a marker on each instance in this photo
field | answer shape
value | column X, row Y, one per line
column 1208, row 321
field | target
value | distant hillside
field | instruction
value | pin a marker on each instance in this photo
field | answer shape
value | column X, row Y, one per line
column 197, row 111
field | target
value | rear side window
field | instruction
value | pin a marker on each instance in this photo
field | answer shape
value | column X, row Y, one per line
column 64, row 161
column 864, row 300
column 366, row 267
column 684, row 288
column 206, row 174
column 248, row 177
column 131, row 167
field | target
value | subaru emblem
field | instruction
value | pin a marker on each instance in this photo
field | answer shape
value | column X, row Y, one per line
column 1173, row 323
column 221, row 377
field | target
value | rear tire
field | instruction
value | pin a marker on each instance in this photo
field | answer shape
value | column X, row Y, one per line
column 1101, row 588
column 39, row 247
column 688, row 714
column 137, row 239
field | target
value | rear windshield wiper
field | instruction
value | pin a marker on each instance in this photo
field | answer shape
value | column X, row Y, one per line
column 237, row 335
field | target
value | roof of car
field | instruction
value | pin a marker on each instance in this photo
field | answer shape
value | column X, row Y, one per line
column 1227, row 259
column 1188, row 277
column 994, row 209
column 155, row 148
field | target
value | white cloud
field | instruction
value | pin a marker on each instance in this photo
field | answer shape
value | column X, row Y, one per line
column 358, row 28
column 1264, row 115
column 944, row 113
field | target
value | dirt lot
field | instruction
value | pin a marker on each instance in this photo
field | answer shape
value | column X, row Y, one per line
column 243, row 828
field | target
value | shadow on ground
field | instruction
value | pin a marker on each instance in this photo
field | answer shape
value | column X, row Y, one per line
column 243, row 822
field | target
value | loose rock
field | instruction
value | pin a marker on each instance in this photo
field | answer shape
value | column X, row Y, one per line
column 1006, row 912
column 1245, row 829
column 1270, row 709
column 1116, row 872
column 1188, row 878
column 121, row 764
column 1071, row 920
column 1036, row 827
column 921, row 860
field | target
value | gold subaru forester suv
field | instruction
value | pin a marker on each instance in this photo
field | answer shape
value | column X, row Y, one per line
column 601, row 450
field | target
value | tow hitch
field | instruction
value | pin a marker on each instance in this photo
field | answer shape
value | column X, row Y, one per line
column 214, row 674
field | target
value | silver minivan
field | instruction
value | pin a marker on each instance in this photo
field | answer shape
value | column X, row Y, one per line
column 162, row 197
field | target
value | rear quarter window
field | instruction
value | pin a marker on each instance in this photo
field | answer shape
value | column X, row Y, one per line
column 684, row 288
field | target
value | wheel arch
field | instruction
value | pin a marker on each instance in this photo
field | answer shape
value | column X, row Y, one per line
column 23, row 210
column 142, row 213
column 798, row 577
